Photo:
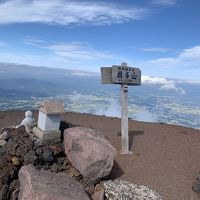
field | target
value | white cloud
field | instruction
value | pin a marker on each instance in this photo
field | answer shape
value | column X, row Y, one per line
column 74, row 55
column 155, row 49
column 83, row 73
column 74, row 51
column 33, row 41
column 155, row 80
column 3, row 44
column 164, row 2
column 65, row 12
column 63, row 55
column 188, row 58
column 165, row 84
column 193, row 82
column 172, row 87
column 78, row 51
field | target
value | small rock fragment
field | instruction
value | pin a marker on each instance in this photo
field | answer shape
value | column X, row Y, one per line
column 74, row 172
column 54, row 168
column 196, row 187
column 15, row 194
column 2, row 142
column 56, row 150
column 98, row 193
column 47, row 155
column 39, row 151
column 30, row 158
column 4, row 136
column 15, row 161
column 61, row 160
column 89, row 190
column 37, row 143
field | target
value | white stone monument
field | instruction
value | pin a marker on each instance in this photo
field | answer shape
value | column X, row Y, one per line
column 49, row 121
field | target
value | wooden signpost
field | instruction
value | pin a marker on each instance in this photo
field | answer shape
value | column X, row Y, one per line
column 124, row 75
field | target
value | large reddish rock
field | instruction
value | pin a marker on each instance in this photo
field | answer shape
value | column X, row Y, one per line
column 89, row 152
column 45, row 185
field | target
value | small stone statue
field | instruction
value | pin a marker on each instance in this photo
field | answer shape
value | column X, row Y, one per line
column 27, row 121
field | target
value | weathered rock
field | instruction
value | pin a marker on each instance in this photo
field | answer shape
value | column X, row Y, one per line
column 74, row 173
column 57, row 151
column 20, row 144
column 4, row 135
column 118, row 189
column 36, row 143
column 15, row 194
column 15, row 161
column 8, row 174
column 2, row 142
column 30, row 158
column 63, row 163
column 39, row 152
column 89, row 152
column 54, row 167
column 4, row 192
column 47, row 155
column 13, row 191
column 196, row 187
column 198, row 177
column 89, row 190
column 61, row 160
column 98, row 193
column 46, row 185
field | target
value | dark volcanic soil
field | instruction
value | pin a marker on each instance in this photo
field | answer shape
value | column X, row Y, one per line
column 165, row 157
column 22, row 150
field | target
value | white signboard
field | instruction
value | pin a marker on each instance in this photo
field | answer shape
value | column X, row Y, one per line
column 126, row 75
column 118, row 74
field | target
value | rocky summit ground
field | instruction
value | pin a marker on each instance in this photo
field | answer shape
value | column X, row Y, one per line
column 164, row 157
column 21, row 150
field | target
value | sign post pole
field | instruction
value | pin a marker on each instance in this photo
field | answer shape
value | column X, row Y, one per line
column 124, row 120
column 123, row 75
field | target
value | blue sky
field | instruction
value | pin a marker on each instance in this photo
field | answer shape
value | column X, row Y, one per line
column 161, row 37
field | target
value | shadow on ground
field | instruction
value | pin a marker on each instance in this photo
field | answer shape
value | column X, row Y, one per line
column 64, row 125
column 132, row 135
column 116, row 172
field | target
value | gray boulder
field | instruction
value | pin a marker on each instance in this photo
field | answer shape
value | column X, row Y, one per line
column 46, row 185
column 123, row 190
column 89, row 152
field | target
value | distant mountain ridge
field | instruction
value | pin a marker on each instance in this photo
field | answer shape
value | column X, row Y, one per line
column 12, row 70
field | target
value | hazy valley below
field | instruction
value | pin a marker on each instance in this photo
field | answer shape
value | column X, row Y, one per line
column 157, row 100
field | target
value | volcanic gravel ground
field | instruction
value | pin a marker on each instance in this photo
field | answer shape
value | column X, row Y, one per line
column 164, row 157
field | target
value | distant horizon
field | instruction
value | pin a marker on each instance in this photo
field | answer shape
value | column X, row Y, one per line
column 161, row 37
column 158, row 99
column 98, row 73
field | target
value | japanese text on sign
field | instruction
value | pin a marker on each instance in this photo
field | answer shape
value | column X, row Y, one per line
column 126, row 75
